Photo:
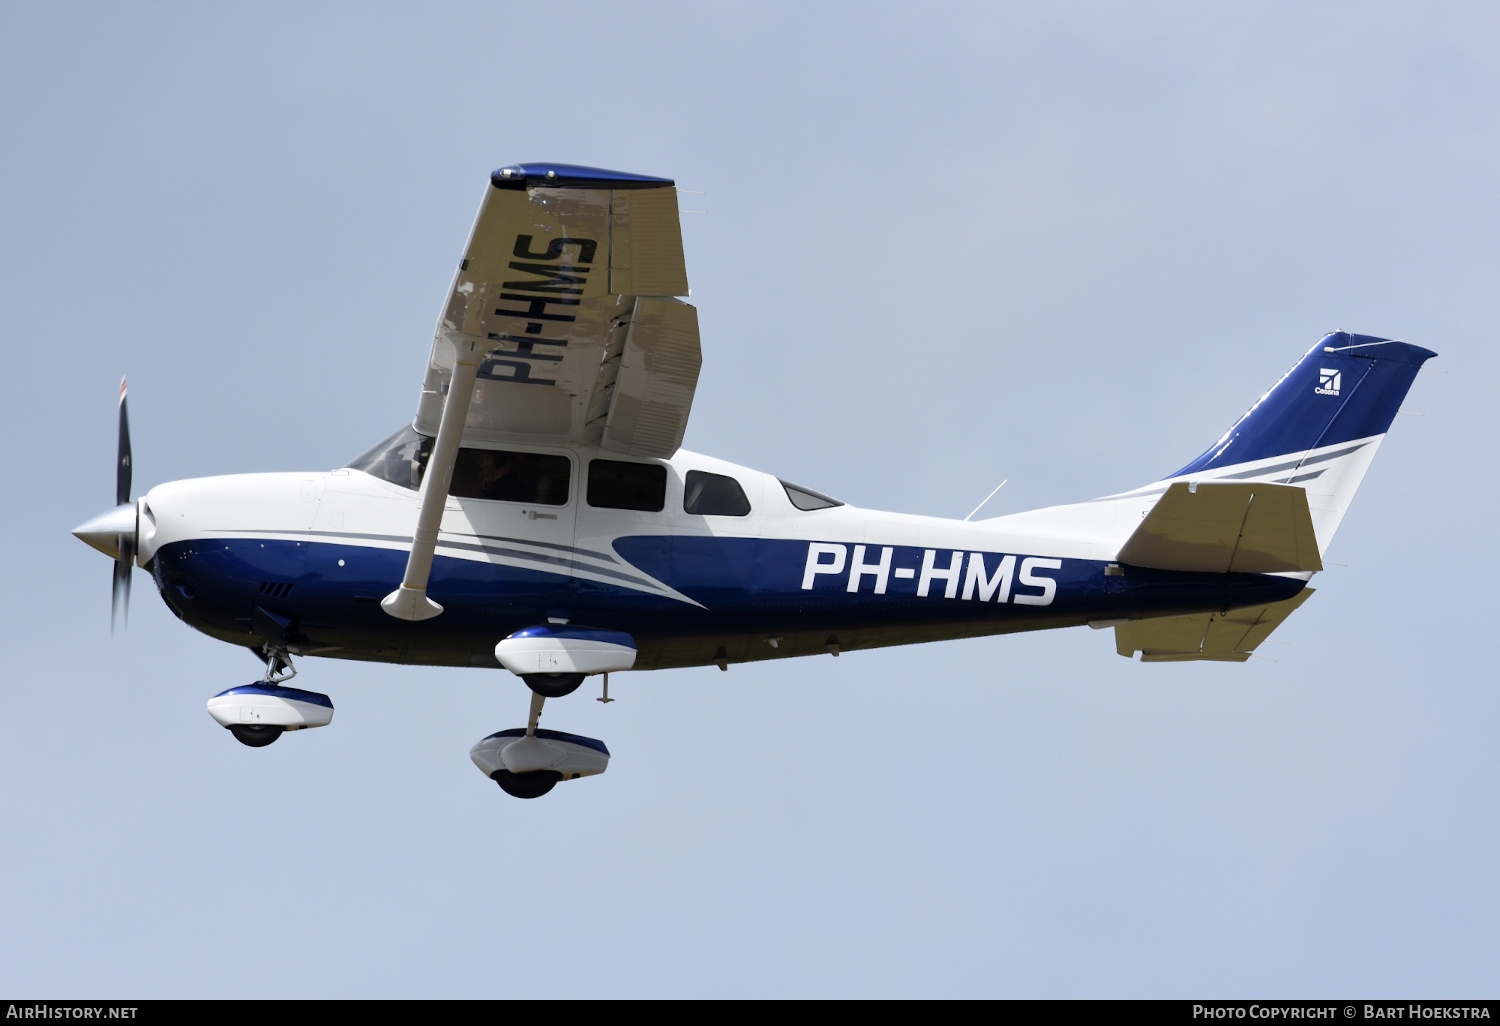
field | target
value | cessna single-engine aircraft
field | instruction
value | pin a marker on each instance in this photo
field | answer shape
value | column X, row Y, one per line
column 538, row 513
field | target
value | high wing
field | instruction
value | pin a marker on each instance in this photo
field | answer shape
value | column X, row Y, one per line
column 560, row 327
column 569, row 279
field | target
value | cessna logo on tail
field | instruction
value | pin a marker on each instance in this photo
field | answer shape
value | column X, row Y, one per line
column 1328, row 381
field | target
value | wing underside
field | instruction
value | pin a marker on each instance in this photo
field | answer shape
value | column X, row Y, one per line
column 569, row 279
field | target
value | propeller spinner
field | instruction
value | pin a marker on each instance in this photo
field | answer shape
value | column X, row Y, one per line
column 114, row 533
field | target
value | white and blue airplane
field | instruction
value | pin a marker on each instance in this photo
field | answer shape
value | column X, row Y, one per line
column 538, row 513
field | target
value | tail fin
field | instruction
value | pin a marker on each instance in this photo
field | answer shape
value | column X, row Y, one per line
column 1320, row 425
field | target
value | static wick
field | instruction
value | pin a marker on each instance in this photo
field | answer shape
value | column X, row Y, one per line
column 987, row 498
column 1362, row 345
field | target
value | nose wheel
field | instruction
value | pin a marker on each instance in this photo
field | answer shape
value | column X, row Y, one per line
column 256, row 735
column 258, row 714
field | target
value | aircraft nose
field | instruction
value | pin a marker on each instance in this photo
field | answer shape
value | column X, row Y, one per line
column 103, row 531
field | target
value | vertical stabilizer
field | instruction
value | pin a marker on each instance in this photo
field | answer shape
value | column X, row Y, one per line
column 1320, row 426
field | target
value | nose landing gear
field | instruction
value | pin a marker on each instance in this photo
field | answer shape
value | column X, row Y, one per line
column 256, row 735
column 257, row 714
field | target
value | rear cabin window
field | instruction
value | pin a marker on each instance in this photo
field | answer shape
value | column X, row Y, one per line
column 616, row 484
column 714, row 495
column 535, row 477
column 807, row 499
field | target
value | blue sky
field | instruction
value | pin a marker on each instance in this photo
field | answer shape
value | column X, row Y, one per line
column 1062, row 244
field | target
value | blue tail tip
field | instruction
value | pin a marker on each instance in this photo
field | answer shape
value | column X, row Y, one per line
column 1346, row 387
column 1346, row 343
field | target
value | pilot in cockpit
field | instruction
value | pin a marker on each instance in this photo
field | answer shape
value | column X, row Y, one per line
column 494, row 468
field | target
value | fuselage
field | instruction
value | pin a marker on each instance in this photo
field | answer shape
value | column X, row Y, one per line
column 301, row 561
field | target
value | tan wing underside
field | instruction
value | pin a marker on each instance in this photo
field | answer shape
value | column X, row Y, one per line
column 571, row 291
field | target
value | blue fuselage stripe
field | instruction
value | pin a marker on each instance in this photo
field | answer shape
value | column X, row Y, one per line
column 744, row 585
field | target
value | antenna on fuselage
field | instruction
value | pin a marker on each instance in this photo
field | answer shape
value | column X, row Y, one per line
column 987, row 498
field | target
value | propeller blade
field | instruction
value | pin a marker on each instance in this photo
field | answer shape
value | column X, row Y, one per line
column 119, row 598
column 119, row 592
column 122, row 468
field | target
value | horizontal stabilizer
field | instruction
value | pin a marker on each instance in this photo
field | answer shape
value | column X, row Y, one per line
column 1226, row 637
column 1226, row 528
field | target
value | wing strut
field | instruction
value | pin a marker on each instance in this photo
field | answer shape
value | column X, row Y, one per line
column 410, row 601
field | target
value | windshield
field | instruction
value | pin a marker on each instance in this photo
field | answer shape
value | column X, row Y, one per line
column 400, row 459
column 477, row 473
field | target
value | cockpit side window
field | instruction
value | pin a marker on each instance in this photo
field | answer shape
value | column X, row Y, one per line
column 535, row 477
column 477, row 473
column 713, row 495
column 401, row 459
column 806, row 498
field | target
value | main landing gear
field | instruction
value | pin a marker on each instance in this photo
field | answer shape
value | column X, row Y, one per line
column 529, row 763
column 553, row 661
column 258, row 714
column 531, row 783
column 553, row 685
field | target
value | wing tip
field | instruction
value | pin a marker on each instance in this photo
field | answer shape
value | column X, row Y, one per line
column 571, row 176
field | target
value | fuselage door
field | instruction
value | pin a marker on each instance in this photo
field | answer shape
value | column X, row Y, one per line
column 515, row 509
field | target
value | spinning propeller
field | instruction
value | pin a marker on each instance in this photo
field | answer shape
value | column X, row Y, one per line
column 114, row 533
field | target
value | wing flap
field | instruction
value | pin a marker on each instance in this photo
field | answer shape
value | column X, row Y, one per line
column 1226, row 528
column 1223, row 637
column 658, row 375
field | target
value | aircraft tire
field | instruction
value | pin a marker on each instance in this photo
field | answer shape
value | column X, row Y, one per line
column 553, row 685
column 256, row 735
column 526, row 785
